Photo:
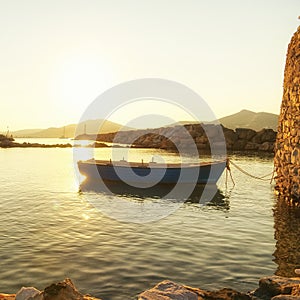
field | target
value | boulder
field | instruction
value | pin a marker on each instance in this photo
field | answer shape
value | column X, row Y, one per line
column 7, row 296
column 251, row 146
column 213, row 131
column 276, row 285
column 168, row 290
column 245, row 133
column 266, row 146
column 230, row 136
column 64, row 290
column 265, row 135
column 286, row 297
column 239, row 145
column 26, row 293
column 226, row 294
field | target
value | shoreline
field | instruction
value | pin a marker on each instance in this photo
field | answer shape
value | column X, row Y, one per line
column 174, row 139
column 7, row 145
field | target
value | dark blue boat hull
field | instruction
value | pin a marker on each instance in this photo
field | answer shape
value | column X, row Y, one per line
column 199, row 174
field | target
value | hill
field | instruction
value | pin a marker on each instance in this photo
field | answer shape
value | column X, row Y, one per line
column 68, row 131
column 252, row 120
column 242, row 119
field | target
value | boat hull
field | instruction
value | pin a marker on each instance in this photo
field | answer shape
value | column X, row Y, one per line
column 147, row 174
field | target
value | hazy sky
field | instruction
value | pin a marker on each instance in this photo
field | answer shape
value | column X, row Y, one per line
column 56, row 57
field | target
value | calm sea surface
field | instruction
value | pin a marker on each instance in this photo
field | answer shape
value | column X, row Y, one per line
column 49, row 230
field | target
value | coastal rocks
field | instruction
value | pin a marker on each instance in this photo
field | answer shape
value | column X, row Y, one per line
column 168, row 290
column 204, row 136
column 287, row 149
column 7, row 296
column 61, row 291
column 286, row 297
column 245, row 134
column 250, row 140
column 5, row 141
column 64, row 290
column 10, row 144
column 226, row 294
column 272, row 286
column 26, row 293
column 6, row 138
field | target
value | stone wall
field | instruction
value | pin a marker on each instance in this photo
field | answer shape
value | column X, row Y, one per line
column 287, row 147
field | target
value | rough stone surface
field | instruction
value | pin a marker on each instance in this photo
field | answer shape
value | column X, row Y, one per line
column 270, row 288
column 64, row 290
column 170, row 138
column 296, row 290
column 226, row 294
column 286, row 233
column 168, row 290
column 26, row 293
column 276, row 285
column 7, row 296
column 286, row 297
column 287, row 148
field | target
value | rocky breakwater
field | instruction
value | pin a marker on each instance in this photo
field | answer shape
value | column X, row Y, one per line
column 5, row 140
column 287, row 147
column 270, row 288
column 167, row 138
column 8, row 142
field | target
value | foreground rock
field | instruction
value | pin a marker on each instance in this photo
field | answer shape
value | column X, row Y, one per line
column 168, row 290
column 270, row 288
column 278, row 286
column 64, row 290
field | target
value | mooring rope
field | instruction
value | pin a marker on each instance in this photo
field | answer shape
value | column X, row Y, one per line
column 251, row 175
column 228, row 170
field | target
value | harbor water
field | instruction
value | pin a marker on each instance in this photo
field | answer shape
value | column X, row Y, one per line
column 49, row 230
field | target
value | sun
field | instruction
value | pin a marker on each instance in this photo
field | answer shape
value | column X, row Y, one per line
column 79, row 79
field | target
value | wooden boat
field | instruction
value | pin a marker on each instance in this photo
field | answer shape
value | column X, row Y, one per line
column 152, row 172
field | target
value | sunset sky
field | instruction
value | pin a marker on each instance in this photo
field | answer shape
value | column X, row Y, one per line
column 57, row 56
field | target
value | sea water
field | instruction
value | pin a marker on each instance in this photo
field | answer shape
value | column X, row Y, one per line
column 49, row 230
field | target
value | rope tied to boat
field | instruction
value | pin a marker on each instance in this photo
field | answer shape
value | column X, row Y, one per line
column 263, row 178
column 228, row 170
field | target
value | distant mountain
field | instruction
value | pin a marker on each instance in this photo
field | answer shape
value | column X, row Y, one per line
column 242, row 119
column 25, row 132
column 68, row 131
column 249, row 119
